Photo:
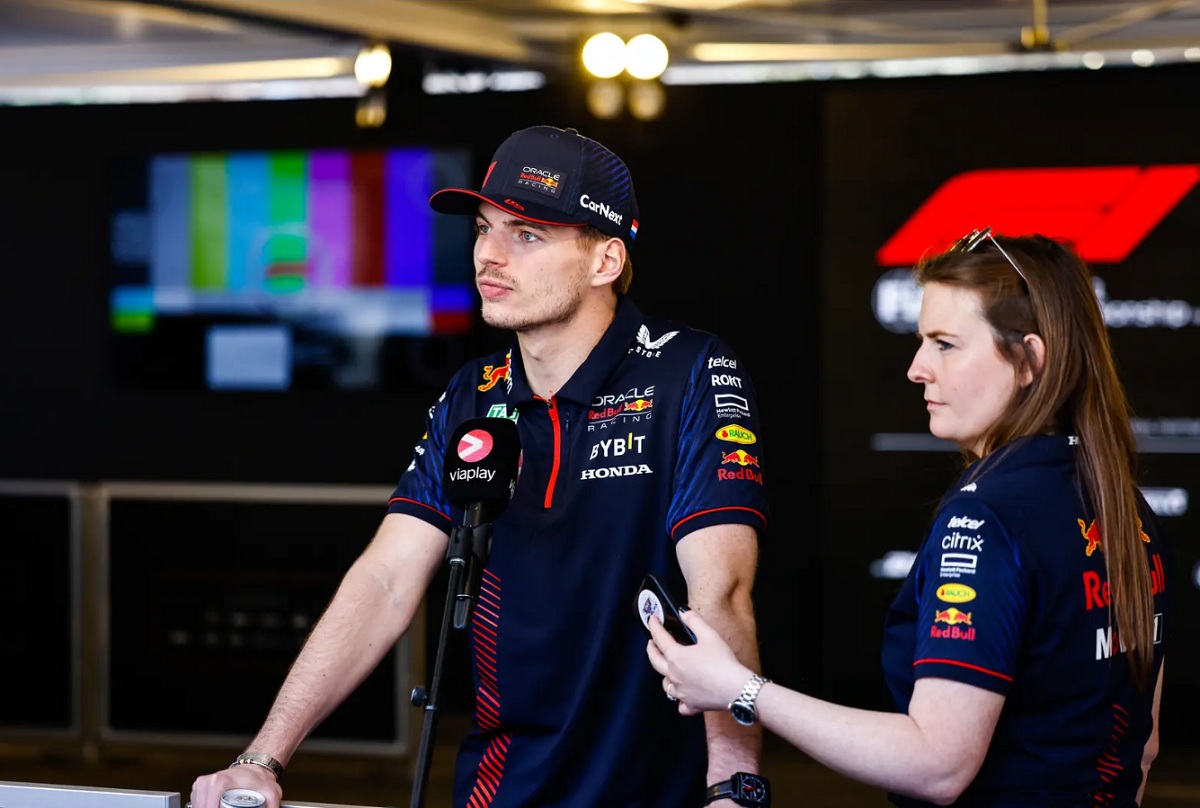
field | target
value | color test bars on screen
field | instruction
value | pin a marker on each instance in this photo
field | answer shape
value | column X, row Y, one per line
column 335, row 234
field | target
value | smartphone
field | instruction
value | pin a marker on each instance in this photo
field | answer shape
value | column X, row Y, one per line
column 654, row 600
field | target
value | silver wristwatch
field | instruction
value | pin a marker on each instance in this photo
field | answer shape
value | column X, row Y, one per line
column 260, row 759
column 742, row 708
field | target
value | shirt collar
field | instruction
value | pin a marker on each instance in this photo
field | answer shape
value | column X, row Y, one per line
column 586, row 382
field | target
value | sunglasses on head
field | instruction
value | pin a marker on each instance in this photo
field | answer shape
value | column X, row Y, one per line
column 976, row 237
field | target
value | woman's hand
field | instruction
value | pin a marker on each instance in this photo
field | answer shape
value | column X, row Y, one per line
column 704, row 676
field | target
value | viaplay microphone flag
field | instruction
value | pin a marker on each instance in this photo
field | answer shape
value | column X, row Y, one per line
column 483, row 459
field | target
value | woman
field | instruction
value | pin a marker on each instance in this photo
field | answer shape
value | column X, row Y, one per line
column 1025, row 650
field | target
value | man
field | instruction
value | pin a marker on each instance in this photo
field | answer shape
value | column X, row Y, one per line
column 640, row 455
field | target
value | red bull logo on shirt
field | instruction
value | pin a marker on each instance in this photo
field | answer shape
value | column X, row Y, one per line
column 739, row 456
column 1096, row 593
column 494, row 374
column 953, row 631
column 952, row 616
column 1091, row 533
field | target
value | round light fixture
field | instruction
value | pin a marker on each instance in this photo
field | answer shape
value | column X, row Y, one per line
column 646, row 56
column 373, row 65
column 604, row 55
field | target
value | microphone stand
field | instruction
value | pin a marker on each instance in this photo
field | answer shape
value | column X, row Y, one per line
column 473, row 537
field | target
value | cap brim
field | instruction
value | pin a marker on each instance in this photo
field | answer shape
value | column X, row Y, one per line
column 464, row 202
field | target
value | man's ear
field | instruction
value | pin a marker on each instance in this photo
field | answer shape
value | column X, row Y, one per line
column 1035, row 350
column 609, row 260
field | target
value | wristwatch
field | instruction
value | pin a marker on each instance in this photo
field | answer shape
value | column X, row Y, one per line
column 259, row 759
column 742, row 708
column 743, row 788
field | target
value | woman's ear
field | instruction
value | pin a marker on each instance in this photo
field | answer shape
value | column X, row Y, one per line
column 1035, row 351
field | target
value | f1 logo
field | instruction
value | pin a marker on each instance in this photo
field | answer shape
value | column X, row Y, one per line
column 1104, row 211
column 475, row 445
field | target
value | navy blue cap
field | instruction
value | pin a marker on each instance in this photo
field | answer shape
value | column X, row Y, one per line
column 553, row 176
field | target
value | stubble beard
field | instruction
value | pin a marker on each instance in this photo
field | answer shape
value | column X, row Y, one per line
column 548, row 309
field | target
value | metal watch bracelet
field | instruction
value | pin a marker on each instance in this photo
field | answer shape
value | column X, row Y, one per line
column 260, row 759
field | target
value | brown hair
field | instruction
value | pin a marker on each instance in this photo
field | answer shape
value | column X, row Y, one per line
column 1076, row 389
column 589, row 237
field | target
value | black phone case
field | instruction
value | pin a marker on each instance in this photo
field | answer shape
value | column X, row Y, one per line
column 653, row 599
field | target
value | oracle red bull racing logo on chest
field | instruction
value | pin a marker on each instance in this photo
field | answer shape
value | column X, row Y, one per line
column 635, row 404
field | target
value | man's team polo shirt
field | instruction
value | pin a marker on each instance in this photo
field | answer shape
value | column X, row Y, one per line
column 1009, row 593
column 655, row 436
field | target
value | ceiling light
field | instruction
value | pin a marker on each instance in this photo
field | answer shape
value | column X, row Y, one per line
column 646, row 56
column 604, row 55
column 373, row 65
column 798, row 51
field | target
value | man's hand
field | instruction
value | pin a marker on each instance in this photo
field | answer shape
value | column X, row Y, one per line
column 207, row 790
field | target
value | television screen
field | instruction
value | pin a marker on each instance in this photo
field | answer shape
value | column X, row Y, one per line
column 287, row 270
column 221, row 609
column 39, row 607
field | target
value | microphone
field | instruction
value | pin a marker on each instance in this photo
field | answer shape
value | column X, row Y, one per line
column 479, row 475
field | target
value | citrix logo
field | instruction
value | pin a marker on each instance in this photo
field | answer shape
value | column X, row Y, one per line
column 602, row 208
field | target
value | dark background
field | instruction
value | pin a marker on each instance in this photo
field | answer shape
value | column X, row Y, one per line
column 762, row 206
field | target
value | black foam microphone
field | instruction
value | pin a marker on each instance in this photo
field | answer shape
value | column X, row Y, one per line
column 479, row 474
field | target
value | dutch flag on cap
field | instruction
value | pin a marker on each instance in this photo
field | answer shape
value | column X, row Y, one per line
column 633, row 229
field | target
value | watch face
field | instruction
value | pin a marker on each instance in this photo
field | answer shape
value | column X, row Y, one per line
column 742, row 713
column 752, row 789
